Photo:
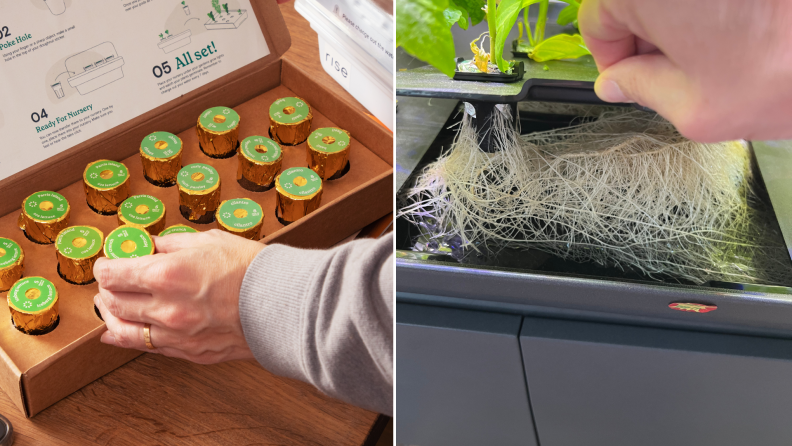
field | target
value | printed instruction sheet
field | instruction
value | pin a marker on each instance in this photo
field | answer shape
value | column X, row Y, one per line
column 73, row 69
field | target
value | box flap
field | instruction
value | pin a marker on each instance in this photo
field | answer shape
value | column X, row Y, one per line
column 123, row 140
column 71, row 368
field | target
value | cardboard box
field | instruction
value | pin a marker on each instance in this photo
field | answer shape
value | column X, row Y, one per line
column 38, row 371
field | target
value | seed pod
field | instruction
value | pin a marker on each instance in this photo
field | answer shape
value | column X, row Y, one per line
column 12, row 260
column 328, row 152
column 44, row 215
column 33, row 303
column 241, row 216
column 161, row 153
column 106, row 185
column 218, row 132
column 143, row 211
column 290, row 121
column 177, row 229
column 199, row 192
column 128, row 242
column 299, row 193
column 77, row 249
column 260, row 161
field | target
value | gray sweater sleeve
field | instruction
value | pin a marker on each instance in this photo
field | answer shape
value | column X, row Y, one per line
column 325, row 317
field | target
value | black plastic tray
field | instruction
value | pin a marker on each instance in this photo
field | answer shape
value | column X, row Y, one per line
column 517, row 75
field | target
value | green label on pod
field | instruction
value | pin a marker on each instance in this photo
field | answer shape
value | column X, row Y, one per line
column 300, row 181
column 79, row 242
column 219, row 119
column 128, row 242
column 106, row 174
column 161, row 145
column 198, row 177
column 289, row 110
column 10, row 252
column 177, row 229
column 261, row 149
column 46, row 206
column 32, row 295
column 142, row 209
column 240, row 213
column 329, row 140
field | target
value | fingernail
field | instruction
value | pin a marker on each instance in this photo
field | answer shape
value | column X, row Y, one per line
column 108, row 338
column 609, row 91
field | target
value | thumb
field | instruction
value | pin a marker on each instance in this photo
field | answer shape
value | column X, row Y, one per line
column 651, row 80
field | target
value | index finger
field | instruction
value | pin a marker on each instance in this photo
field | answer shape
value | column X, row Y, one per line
column 607, row 35
column 123, row 274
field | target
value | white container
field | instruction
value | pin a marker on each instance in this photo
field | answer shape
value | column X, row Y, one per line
column 366, row 24
column 350, row 65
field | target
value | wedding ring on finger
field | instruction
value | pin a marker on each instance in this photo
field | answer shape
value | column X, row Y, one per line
column 147, row 336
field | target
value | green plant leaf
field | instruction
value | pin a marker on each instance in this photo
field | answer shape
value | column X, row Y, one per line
column 454, row 15
column 422, row 30
column 472, row 8
column 560, row 46
column 568, row 15
column 508, row 10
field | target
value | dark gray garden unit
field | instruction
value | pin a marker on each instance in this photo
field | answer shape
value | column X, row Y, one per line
column 520, row 356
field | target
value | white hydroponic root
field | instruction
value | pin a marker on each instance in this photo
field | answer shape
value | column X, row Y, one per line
column 626, row 190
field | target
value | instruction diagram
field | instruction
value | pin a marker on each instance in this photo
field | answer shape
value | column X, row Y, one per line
column 169, row 43
column 223, row 18
column 182, row 27
column 56, row 7
column 78, row 69
column 93, row 68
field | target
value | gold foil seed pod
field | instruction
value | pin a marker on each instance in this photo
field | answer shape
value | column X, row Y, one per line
column 77, row 248
column 328, row 152
column 44, row 215
column 241, row 216
column 218, row 132
column 106, row 185
column 178, row 229
column 12, row 260
column 143, row 211
column 161, row 153
column 290, row 121
column 33, row 303
column 260, row 161
column 128, row 242
column 299, row 193
column 199, row 192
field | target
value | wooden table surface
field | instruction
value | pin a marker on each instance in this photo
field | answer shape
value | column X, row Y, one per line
column 155, row 400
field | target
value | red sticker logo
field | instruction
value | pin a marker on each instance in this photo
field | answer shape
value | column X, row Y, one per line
column 692, row 308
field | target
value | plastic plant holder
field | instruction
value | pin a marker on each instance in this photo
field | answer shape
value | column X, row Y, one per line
column 94, row 68
column 176, row 41
column 517, row 75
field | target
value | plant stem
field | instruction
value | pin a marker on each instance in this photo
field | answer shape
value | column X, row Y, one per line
column 528, row 26
column 492, row 15
column 541, row 21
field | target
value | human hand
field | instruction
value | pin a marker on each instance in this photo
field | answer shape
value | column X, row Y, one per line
column 717, row 69
column 188, row 291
